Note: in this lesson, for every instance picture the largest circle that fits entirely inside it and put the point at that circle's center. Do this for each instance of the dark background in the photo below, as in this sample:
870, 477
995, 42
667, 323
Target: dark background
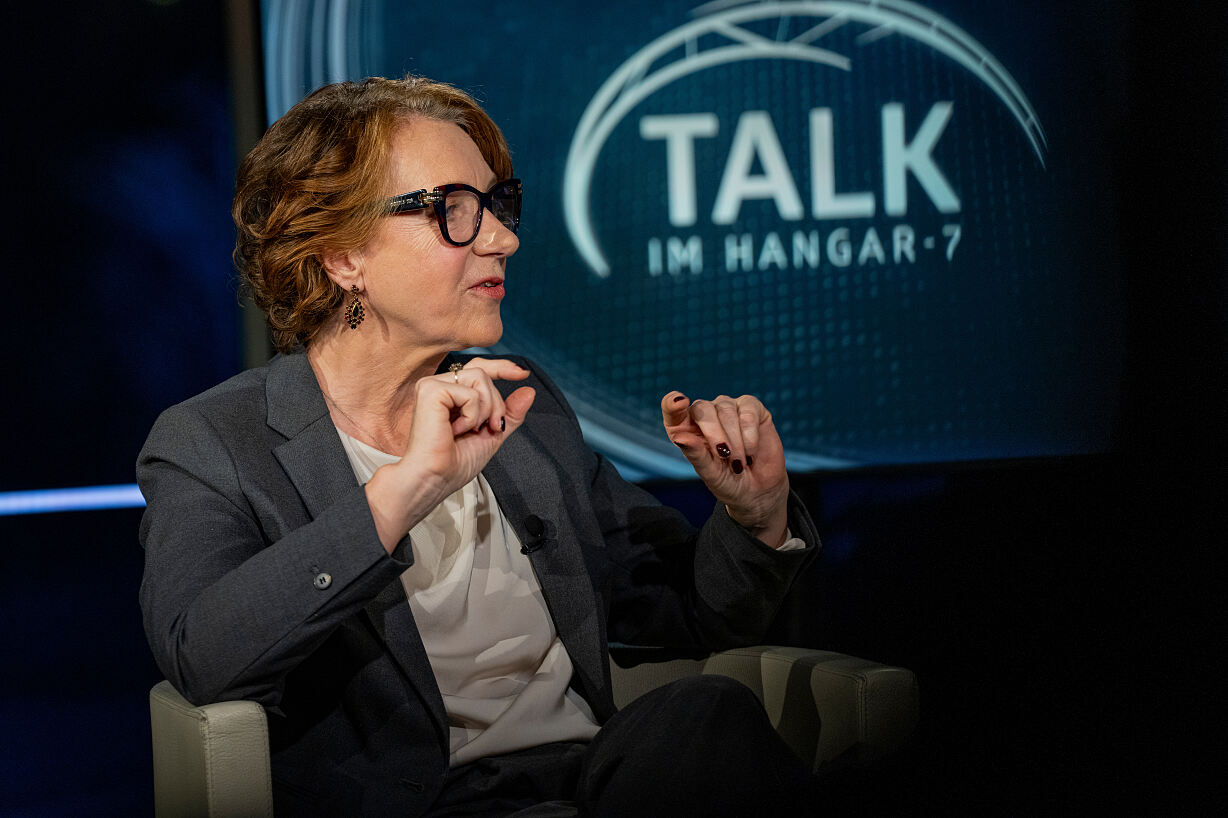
1059, 613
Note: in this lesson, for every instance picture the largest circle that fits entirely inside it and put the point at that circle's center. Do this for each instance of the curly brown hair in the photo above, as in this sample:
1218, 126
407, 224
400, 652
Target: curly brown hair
315, 183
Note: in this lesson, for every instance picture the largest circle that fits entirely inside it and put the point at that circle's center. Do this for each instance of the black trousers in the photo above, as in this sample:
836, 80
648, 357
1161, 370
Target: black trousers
699, 746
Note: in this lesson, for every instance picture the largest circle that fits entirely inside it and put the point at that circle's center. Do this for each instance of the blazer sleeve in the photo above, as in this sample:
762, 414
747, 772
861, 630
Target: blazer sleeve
230, 608
672, 586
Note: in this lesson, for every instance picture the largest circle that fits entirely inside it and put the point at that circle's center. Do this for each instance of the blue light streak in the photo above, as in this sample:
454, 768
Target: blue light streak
86, 498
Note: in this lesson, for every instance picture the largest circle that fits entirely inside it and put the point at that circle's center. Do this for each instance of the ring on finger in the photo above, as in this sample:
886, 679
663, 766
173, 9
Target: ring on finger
455, 369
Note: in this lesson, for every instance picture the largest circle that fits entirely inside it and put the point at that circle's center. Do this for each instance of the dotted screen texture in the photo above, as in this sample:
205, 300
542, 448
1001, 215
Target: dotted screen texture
940, 331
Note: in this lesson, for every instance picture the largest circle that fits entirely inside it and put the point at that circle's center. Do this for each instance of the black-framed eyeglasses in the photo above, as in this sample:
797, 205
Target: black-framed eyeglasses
458, 208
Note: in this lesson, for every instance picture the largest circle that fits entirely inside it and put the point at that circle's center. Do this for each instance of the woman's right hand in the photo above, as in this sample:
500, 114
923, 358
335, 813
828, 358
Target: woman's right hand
460, 421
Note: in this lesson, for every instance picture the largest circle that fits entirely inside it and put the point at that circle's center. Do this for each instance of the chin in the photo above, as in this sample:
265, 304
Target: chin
486, 336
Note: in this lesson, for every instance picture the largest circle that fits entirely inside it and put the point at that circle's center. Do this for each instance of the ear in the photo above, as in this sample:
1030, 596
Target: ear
344, 267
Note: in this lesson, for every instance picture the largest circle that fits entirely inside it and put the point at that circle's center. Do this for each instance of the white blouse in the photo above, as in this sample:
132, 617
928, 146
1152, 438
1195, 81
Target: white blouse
503, 672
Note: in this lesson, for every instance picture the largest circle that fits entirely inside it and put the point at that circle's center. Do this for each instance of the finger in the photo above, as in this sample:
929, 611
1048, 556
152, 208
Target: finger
498, 368
751, 413
485, 441
466, 408
711, 417
733, 450
446, 402
693, 445
674, 408
516, 407
707, 448
492, 405
490, 402
486, 371
475, 399
461, 401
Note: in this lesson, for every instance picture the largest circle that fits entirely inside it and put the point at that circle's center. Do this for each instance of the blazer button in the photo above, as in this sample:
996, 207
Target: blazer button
322, 581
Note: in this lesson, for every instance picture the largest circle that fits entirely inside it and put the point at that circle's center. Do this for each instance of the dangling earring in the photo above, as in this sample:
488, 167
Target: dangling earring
354, 313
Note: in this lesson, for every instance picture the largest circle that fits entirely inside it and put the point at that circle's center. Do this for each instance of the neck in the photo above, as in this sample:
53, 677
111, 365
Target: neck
368, 384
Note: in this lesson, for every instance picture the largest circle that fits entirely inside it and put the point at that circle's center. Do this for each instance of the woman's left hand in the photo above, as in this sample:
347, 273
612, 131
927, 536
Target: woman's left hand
735, 450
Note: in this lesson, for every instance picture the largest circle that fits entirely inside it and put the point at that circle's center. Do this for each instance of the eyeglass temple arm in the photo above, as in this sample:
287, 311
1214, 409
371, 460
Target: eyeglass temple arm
414, 200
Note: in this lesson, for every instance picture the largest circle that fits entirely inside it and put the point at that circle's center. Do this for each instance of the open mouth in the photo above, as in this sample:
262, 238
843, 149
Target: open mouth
492, 287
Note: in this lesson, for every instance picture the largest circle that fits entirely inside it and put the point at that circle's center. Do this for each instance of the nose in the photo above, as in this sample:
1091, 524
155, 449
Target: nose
494, 237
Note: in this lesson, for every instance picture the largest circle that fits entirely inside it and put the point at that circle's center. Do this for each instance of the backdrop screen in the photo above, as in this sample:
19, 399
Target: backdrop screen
892, 221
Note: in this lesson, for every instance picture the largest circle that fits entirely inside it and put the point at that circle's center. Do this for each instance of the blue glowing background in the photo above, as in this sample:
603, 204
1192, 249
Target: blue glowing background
991, 331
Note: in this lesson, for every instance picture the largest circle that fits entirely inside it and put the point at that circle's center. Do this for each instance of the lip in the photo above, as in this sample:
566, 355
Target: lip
495, 290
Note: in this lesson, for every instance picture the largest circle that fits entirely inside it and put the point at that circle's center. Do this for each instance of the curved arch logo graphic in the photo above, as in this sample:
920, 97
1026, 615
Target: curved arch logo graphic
845, 207
731, 31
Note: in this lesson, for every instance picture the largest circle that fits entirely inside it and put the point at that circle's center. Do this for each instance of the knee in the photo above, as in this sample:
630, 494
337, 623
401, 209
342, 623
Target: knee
718, 701
714, 690
713, 737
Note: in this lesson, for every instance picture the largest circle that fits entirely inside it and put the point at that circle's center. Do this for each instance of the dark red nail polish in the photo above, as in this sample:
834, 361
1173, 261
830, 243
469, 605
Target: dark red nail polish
737, 467
502, 424
680, 397
750, 461
723, 449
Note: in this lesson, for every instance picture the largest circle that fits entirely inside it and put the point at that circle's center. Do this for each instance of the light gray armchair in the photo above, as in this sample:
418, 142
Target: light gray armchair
832, 709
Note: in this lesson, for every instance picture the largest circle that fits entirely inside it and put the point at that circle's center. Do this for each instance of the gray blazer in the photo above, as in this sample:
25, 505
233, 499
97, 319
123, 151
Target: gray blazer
265, 580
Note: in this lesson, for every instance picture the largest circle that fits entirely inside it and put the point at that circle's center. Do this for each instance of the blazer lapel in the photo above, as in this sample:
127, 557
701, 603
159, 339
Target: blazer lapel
525, 479
312, 455
317, 465
393, 621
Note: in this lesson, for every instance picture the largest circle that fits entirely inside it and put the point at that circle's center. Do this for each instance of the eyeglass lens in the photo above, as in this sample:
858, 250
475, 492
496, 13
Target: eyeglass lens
463, 209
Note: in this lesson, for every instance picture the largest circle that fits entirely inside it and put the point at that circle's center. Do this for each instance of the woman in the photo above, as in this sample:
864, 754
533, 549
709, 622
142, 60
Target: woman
408, 556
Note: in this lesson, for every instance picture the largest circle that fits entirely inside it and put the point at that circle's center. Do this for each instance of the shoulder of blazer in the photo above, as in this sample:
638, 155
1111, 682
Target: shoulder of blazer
236, 403
282, 396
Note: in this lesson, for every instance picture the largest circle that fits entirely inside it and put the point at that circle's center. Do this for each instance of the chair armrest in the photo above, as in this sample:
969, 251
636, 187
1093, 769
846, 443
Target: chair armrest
635, 670
211, 760
829, 707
